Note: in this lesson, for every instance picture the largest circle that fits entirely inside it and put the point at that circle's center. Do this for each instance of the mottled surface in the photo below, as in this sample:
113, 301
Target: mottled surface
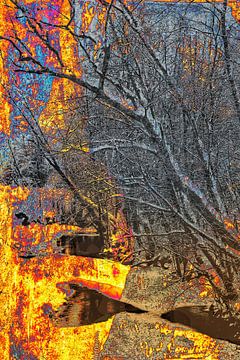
157, 290
146, 336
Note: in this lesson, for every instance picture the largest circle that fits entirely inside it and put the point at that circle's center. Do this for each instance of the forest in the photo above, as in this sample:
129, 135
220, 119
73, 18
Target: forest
121, 122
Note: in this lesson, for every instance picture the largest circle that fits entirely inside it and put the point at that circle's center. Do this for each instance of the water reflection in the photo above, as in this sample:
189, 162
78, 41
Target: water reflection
87, 306
203, 319
89, 245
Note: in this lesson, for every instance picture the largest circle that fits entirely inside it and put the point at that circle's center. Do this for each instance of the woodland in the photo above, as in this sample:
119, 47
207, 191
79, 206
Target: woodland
151, 131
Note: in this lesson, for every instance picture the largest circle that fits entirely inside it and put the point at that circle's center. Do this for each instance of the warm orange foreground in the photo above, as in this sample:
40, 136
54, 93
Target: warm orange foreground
31, 288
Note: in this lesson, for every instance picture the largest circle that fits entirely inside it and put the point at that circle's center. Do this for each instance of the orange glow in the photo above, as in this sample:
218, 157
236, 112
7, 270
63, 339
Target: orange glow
57, 110
31, 286
5, 107
88, 15
206, 287
229, 225
198, 346
122, 241
234, 5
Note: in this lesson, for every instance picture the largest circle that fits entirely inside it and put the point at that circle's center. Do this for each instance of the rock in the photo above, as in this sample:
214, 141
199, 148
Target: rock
147, 336
159, 291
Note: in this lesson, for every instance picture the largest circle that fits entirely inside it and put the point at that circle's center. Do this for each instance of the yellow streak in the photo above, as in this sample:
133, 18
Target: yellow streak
29, 285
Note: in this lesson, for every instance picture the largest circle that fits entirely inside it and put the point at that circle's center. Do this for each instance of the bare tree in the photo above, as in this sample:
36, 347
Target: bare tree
163, 113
